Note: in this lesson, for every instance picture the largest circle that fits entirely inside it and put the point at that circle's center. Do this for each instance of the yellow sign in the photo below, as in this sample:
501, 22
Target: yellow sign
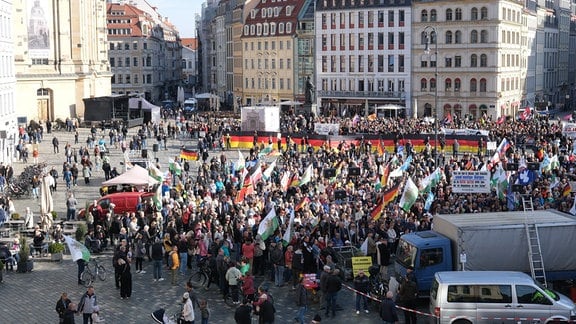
361, 263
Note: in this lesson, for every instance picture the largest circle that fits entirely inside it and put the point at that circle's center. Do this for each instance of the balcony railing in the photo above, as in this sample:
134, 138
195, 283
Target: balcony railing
362, 94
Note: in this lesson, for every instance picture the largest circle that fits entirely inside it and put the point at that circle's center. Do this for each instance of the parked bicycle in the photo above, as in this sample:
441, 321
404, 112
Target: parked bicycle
203, 275
93, 269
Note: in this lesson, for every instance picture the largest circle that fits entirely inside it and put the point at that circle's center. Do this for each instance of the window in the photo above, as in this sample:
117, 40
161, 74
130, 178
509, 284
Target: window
400, 63
483, 60
288, 63
433, 15
111, 46
390, 63
474, 14
148, 61
457, 84
145, 45
501, 294
423, 84
448, 61
484, 13
127, 78
458, 61
112, 62
120, 79
429, 257
432, 84
288, 27
531, 295
482, 85
119, 62
448, 84
474, 37
473, 85
113, 80
458, 14
484, 36
134, 46
458, 37
423, 63
448, 14
448, 37
126, 46
134, 61
424, 16
135, 78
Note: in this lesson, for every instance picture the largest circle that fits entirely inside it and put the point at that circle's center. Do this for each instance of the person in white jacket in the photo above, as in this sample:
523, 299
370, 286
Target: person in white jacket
187, 309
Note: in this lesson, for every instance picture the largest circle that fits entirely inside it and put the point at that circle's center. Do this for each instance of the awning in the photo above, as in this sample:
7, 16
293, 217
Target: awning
137, 176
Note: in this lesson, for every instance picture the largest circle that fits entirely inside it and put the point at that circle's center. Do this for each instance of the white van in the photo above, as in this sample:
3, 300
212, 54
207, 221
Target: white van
470, 297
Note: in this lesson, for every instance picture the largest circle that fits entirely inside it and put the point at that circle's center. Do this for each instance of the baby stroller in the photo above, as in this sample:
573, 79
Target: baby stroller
160, 316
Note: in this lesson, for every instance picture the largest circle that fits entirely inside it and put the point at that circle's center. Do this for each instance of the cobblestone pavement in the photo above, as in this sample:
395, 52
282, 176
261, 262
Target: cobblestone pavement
31, 297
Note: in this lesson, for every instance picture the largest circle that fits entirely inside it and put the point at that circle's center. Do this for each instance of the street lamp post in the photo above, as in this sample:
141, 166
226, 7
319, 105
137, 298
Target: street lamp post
431, 35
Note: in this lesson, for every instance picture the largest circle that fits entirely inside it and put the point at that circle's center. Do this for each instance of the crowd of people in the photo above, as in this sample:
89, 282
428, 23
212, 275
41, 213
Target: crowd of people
212, 211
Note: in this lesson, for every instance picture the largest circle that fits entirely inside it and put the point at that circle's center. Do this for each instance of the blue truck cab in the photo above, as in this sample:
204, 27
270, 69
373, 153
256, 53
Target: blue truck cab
426, 252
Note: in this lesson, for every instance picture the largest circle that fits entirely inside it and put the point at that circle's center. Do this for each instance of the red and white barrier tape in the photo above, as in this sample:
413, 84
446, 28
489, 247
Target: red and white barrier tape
378, 300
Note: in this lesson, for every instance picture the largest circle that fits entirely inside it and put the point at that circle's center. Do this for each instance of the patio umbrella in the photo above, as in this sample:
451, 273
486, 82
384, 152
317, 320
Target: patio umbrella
290, 103
46, 203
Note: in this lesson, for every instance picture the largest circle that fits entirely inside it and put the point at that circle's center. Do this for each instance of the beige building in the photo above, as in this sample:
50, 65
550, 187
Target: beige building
481, 59
145, 53
268, 48
61, 56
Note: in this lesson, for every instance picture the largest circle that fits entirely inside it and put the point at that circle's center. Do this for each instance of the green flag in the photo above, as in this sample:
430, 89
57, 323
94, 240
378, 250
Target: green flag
268, 225
409, 195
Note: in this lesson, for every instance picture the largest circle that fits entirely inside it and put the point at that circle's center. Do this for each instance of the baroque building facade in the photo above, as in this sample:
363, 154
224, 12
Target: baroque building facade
60, 55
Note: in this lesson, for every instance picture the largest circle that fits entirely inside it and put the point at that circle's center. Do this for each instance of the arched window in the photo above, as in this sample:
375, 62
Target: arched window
433, 15
423, 38
482, 85
448, 37
448, 84
473, 85
484, 36
424, 16
423, 84
473, 60
432, 84
484, 13
474, 14
483, 60
448, 14
458, 14
457, 84
474, 37
458, 37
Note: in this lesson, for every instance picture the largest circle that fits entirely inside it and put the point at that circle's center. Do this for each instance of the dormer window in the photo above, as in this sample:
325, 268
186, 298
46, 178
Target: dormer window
264, 13
272, 28
276, 11
281, 28
246, 30
289, 10
253, 13
269, 12
288, 27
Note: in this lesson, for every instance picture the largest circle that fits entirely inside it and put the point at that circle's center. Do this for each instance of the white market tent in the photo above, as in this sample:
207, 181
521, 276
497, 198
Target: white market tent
137, 176
141, 103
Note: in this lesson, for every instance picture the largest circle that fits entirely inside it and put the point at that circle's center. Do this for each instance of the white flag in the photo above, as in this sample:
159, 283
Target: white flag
268, 225
77, 250
409, 196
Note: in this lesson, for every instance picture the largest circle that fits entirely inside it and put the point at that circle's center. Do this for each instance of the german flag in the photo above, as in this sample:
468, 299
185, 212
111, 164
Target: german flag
391, 194
567, 190
377, 211
303, 203
190, 155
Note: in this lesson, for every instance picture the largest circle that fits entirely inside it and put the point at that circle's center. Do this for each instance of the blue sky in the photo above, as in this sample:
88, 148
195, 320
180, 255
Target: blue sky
181, 13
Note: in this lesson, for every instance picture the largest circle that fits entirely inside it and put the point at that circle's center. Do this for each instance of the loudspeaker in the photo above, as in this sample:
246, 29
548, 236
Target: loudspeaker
155, 147
533, 166
340, 194
353, 171
144, 153
512, 166
329, 173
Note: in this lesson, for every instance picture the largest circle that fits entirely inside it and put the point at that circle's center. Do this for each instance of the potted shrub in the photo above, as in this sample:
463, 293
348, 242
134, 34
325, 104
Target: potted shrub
25, 264
54, 215
81, 231
56, 249
15, 216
